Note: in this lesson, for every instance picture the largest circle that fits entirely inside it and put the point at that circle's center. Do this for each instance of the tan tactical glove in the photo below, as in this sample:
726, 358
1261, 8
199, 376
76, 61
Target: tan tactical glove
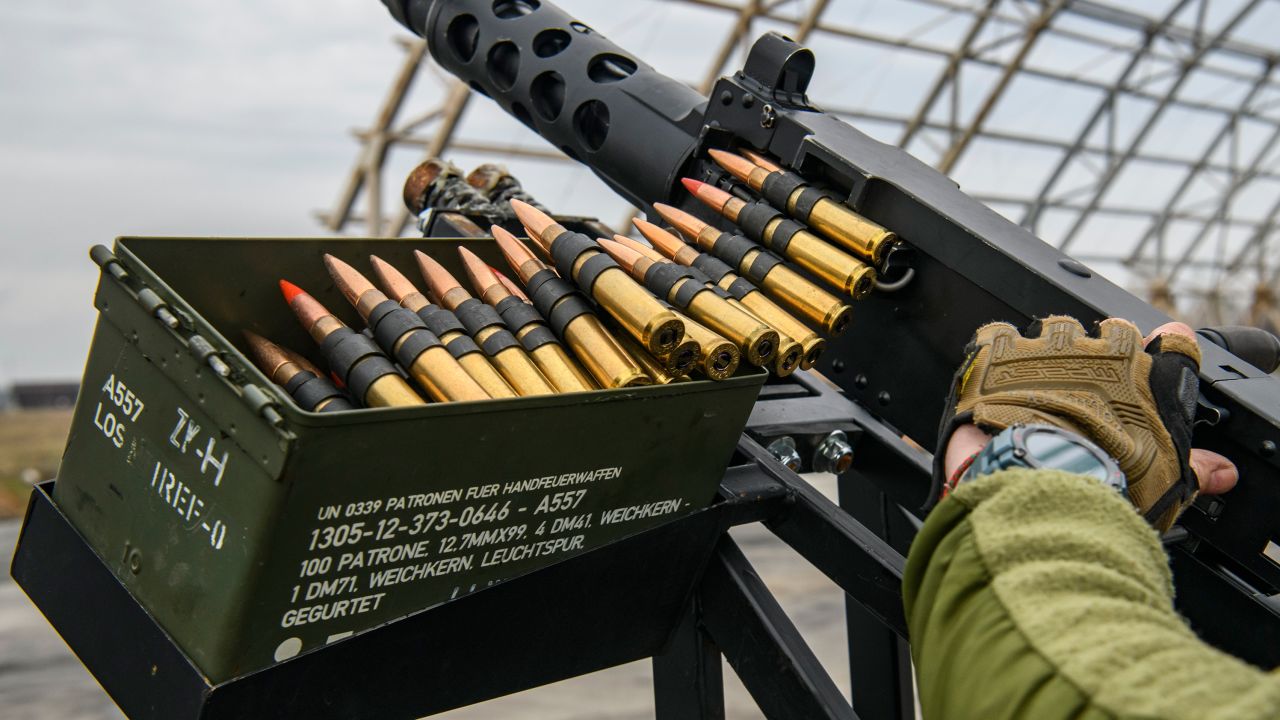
1137, 405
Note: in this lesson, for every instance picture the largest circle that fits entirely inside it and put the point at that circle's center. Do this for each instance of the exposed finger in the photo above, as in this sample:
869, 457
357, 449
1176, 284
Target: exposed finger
1169, 328
1174, 337
1216, 473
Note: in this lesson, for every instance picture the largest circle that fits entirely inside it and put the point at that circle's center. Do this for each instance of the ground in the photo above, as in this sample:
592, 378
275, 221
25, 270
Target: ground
40, 679
31, 443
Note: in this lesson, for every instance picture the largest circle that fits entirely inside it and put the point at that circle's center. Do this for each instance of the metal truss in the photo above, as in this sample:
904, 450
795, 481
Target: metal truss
1163, 171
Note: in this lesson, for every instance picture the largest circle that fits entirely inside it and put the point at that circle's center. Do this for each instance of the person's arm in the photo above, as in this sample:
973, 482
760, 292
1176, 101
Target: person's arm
1039, 594
1043, 594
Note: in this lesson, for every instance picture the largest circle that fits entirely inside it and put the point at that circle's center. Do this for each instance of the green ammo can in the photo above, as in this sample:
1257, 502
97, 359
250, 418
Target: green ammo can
252, 530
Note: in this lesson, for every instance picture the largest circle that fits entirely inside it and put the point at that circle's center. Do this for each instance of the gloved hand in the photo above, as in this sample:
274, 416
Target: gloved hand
1136, 404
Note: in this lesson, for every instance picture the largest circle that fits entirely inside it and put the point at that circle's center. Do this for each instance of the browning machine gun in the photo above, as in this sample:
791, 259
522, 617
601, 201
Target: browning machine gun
959, 265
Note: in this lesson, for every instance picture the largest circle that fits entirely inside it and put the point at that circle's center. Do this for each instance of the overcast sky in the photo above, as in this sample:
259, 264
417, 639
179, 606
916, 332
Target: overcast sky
233, 117
205, 117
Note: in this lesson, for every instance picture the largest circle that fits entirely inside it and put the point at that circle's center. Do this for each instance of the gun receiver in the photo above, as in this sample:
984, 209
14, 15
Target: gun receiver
641, 131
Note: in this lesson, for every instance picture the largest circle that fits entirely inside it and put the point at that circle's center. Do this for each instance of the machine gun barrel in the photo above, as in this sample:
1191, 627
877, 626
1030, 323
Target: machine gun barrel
639, 131
600, 105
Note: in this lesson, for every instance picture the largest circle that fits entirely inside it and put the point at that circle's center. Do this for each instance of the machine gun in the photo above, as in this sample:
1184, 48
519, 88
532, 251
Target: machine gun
680, 592
641, 131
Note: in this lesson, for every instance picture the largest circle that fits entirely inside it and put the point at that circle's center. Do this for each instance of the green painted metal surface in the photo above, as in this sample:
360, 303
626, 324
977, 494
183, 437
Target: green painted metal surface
250, 542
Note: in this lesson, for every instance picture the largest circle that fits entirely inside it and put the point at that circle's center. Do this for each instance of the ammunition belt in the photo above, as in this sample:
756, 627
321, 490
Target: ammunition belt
714, 267
557, 300
756, 216
440, 321
519, 314
565, 250
355, 359
390, 322
733, 248
309, 390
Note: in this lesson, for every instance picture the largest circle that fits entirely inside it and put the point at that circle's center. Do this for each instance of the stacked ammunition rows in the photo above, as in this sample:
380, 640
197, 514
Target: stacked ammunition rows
602, 313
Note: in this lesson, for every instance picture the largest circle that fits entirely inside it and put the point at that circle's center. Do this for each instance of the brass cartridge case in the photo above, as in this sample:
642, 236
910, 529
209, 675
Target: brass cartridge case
635, 308
758, 341
684, 357
387, 390
434, 368
836, 267
476, 364
512, 361
442, 376
781, 282
787, 359
529, 328
603, 354
807, 250
811, 343
598, 350
793, 290
846, 228
484, 373
517, 367
559, 368
391, 391
719, 358
652, 366
828, 217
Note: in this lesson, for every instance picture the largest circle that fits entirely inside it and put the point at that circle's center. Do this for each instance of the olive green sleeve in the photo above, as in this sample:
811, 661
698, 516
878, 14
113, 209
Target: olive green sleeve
1041, 594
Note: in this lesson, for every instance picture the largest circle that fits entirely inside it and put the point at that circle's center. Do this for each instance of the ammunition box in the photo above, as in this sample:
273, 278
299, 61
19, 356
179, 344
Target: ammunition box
252, 530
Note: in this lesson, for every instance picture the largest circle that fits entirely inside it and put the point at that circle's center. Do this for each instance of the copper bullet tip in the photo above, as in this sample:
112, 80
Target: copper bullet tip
713, 196
688, 225
439, 281
512, 249
760, 160
268, 355
534, 220
737, 165
645, 250
665, 242
392, 280
511, 286
625, 256
350, 282
301, 362
517, 253
478, 272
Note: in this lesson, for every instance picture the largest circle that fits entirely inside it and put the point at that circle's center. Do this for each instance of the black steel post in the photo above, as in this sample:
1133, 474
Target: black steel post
688, 677
763, 646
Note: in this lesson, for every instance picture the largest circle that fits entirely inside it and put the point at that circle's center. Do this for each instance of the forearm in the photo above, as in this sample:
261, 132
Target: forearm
1042, 594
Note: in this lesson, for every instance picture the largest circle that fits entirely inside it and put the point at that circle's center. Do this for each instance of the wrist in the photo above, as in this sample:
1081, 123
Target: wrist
1036, 446
965, 442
